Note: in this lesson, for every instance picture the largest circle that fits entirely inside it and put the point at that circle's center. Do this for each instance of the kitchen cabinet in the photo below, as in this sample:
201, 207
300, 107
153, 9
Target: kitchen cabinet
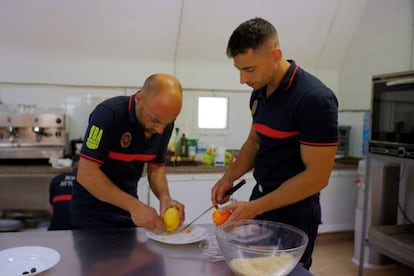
338, 199
393, 240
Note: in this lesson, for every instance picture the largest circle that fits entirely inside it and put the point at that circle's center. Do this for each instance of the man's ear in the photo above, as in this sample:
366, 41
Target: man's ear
276, 54
138, 97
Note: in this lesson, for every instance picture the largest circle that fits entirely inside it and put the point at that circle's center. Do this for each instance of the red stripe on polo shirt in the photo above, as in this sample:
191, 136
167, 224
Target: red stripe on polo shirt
265, 130
91, 158
292, 77
61, 198
319, 144
130, 102
131, 157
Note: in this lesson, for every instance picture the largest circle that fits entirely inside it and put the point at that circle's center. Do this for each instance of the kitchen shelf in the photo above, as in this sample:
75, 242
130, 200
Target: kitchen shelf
395, 241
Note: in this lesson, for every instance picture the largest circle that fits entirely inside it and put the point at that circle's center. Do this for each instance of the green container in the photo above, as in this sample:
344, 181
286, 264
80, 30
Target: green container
192, 147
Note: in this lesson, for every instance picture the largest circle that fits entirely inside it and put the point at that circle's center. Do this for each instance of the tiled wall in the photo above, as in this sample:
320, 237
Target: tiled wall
77, 102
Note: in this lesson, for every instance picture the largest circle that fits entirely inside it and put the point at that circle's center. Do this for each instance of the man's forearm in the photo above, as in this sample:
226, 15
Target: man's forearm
158, 181
101, 187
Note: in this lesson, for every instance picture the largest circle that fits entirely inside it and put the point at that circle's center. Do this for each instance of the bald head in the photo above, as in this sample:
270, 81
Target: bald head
159, 102
164, 90
159, 83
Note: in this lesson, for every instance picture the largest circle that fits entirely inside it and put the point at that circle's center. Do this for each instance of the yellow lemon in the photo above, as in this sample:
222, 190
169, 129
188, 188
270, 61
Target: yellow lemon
171, 219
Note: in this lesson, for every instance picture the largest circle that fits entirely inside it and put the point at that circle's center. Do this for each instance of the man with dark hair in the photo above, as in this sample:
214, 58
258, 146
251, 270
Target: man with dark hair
293, 138
123, 134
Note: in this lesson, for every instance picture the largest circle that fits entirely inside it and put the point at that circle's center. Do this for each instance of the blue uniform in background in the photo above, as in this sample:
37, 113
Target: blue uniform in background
60, 195
302, 110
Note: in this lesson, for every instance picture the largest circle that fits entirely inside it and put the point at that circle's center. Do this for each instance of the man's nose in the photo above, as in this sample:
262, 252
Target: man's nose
159, 129
243, 78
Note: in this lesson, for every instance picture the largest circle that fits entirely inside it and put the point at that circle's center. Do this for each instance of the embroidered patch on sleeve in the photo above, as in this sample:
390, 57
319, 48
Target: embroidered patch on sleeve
126, 139
94, 138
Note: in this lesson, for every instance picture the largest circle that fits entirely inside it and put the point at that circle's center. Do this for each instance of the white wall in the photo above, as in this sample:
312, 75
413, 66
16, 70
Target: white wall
382, 43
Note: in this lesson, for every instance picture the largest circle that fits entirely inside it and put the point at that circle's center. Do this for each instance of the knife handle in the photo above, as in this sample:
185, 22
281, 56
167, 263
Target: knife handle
235, 188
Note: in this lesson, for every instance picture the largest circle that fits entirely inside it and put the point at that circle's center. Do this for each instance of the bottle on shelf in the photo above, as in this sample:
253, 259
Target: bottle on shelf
220, 156
192, 148
183, 146
172, 142
177, 143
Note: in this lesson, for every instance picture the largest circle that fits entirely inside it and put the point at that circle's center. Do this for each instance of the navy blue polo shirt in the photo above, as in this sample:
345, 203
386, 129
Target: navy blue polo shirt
302, 110
60, 195
116, 140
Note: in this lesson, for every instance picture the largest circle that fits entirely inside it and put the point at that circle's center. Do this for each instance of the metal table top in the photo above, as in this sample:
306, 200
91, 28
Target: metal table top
121, 252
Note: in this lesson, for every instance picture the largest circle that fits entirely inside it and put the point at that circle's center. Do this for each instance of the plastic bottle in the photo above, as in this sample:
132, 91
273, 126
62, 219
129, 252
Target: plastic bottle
172, 141
365, 133
192, 148
219, 160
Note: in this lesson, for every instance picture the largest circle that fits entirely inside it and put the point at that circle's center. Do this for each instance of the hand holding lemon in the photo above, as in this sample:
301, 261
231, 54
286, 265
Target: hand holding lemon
171, 219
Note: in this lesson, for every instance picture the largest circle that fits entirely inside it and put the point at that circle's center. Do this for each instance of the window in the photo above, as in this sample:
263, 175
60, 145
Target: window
212, 112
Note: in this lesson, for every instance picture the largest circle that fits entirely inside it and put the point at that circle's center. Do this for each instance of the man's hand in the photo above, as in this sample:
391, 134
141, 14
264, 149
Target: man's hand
167, 203
219, 190
145, 216
241, 210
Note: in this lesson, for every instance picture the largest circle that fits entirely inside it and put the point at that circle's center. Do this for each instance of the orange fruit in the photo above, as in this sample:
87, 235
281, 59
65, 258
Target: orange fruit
220, 218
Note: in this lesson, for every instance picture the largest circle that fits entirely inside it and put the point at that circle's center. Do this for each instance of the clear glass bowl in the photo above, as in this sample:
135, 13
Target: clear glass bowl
210, 248
259, 247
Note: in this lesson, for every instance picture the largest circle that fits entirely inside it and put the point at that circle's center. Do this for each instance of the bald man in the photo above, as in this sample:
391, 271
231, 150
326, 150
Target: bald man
123, 134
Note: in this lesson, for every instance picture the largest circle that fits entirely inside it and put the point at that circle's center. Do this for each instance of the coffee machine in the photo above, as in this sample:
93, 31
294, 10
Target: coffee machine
32, 135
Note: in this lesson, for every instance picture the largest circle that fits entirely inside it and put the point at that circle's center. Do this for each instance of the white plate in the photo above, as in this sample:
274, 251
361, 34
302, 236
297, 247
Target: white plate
17, 260
191, 235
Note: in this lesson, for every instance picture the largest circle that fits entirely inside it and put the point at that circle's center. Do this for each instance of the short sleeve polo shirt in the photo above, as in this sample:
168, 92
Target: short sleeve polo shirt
115, 139
302, 110
60, 195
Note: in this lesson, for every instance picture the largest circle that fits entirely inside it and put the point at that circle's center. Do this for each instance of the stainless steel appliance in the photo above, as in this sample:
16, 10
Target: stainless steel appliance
392, 115
32, 136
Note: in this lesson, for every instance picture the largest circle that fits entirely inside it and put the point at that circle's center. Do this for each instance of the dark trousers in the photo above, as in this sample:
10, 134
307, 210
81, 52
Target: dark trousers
305, 215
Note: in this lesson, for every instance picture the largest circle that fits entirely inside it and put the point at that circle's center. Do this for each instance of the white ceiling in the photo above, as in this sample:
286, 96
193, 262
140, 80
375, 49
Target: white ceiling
315, 33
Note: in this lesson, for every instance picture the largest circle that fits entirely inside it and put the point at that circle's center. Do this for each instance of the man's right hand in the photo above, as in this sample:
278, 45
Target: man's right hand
147, 217
218, 192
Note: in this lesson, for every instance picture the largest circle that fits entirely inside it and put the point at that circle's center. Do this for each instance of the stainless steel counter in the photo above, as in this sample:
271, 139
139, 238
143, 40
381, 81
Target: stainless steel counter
28, 169
121, 252
47, 169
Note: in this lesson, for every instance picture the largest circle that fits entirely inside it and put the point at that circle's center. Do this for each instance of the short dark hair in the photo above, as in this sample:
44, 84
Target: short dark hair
250, 34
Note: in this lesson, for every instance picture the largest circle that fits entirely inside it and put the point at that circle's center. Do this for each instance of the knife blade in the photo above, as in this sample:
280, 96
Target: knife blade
228, 193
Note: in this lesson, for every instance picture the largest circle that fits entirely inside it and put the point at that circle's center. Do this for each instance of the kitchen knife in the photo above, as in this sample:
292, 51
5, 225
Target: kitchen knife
228, 193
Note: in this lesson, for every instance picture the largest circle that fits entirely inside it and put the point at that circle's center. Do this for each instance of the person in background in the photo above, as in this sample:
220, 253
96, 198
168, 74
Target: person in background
293, 138
60, 195
123, 134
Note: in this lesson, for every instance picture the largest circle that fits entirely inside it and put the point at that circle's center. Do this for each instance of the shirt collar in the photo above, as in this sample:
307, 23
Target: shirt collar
288, 78
285, 83
131, 108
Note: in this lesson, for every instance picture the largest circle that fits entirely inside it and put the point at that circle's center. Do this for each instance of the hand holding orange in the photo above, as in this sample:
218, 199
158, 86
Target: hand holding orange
220, 217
